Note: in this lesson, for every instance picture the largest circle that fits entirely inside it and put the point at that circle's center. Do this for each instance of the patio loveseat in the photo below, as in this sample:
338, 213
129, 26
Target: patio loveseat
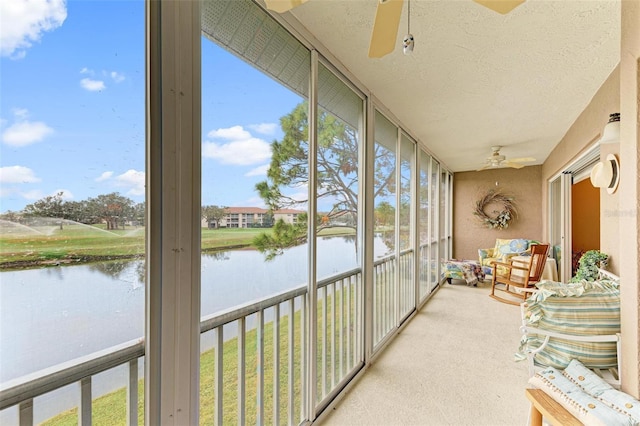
503, 250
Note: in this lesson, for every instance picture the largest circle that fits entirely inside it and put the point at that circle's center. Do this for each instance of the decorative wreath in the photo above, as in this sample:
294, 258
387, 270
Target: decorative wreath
503, 217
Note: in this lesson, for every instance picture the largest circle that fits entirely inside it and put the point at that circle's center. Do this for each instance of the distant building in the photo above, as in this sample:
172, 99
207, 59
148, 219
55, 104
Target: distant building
253, 217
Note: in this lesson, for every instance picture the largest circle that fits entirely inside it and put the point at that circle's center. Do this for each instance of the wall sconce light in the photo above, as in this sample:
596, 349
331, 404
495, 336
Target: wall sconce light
611, 133
606, 174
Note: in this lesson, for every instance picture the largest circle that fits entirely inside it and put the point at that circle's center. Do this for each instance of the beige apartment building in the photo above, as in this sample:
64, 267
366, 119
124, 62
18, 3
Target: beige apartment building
250, 217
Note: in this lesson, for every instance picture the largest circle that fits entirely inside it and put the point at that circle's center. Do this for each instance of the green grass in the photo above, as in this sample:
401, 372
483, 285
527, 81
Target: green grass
110, 409
76, 244
81, 244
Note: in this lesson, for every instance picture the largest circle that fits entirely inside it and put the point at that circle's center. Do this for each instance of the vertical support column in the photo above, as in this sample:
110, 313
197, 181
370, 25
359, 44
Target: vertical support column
629, 195
219, 376
84, 414
276, 364
242, 373
415, 224
26, 413
368, 159
310, 379
132, 393
172, 335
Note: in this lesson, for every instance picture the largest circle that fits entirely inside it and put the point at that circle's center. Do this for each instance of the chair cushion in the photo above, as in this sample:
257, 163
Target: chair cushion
583, 308
597, 387
581, 405
512, 246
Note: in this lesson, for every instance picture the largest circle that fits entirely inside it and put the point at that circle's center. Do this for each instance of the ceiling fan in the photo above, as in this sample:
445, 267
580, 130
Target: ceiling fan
387, 20
497, 160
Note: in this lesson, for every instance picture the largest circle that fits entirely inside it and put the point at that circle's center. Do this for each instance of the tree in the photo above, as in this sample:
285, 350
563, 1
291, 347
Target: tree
11, 216
385, 214
283, 235
213, 214
139, 213
336, 170
113, 209
49, 206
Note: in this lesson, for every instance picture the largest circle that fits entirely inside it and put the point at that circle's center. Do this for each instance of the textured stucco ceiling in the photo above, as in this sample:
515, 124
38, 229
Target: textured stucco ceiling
477, 78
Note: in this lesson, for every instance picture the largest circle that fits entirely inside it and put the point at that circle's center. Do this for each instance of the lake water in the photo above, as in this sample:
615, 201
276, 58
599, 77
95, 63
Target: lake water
56, 314
51, 315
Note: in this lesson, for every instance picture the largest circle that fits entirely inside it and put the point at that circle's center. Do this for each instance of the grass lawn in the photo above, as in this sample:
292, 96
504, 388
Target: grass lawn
77, 244
110, 409
82, 243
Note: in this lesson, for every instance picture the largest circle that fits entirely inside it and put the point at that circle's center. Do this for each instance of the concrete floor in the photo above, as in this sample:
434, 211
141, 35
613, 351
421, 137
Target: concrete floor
452, 365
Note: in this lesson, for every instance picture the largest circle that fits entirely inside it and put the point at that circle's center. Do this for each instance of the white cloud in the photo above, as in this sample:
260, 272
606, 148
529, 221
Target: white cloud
92, 85
23, 22
116, 76
132, 179
86, 70
231, 133
258, 171
265, 128
23, 133
66, 194
104, 176
17, 174
35, 194
242, 150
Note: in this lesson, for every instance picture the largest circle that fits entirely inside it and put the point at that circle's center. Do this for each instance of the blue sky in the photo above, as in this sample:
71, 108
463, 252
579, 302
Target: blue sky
72, 107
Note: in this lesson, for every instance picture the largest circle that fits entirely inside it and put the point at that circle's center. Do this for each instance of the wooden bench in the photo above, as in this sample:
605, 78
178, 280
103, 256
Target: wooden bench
542, 405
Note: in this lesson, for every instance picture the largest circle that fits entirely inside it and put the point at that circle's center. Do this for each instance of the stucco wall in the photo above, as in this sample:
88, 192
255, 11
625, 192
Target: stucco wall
629, 196
523, 184
584, 132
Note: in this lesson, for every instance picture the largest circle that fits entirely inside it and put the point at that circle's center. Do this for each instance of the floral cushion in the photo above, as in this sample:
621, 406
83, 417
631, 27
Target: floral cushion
501, 252
504, 248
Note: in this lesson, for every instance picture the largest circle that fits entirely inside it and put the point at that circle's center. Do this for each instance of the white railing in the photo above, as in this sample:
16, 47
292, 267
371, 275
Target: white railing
24, 390
257, 375
272, 368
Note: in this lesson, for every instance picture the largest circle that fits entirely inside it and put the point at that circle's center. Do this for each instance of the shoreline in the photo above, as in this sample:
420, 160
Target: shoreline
70, 260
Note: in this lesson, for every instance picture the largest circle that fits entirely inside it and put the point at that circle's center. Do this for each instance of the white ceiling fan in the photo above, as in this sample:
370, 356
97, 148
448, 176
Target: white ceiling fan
497, 160
387, 20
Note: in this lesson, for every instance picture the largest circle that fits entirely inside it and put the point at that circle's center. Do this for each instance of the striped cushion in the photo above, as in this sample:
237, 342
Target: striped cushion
582, 308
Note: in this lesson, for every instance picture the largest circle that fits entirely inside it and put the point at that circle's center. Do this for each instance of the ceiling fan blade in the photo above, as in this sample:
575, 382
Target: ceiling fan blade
483, 168
385, 28
500, 6
522, 160
282, 6
512, 165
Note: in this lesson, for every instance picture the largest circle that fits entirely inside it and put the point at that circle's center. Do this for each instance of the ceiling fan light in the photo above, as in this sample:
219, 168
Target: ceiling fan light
611, 133
407, 44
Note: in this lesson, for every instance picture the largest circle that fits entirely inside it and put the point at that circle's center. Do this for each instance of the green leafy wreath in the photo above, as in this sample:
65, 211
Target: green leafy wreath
503, 217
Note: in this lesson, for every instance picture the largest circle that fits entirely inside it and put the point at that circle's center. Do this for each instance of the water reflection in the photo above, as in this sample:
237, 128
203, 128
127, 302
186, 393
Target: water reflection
127, 271
51, 315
